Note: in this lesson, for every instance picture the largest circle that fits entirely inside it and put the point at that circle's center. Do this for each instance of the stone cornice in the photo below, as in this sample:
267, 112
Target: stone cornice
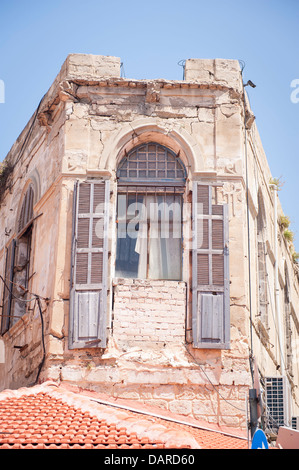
67, 90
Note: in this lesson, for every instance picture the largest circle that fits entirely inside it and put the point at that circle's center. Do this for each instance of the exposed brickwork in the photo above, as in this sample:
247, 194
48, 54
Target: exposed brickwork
149, 312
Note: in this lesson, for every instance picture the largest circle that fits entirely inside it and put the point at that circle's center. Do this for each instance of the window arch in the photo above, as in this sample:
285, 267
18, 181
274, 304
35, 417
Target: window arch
26, 213
151, 185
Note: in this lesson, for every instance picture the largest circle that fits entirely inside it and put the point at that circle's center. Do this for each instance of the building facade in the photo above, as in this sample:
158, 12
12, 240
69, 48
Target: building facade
144, 251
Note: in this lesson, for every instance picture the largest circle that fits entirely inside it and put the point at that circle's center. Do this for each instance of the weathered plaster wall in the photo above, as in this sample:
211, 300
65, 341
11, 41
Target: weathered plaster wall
147, 357
86, 122
36, 159
266, 342
23, 342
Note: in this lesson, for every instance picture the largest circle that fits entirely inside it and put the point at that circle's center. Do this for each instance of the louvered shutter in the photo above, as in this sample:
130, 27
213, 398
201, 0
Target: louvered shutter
7, 289
88, 295
210, 271
263, 284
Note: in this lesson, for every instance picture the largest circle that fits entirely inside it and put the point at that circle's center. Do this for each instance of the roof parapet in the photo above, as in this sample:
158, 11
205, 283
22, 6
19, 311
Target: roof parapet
89, 66
225, 72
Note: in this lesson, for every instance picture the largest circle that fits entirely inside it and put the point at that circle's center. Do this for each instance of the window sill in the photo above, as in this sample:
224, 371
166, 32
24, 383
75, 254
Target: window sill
146, 282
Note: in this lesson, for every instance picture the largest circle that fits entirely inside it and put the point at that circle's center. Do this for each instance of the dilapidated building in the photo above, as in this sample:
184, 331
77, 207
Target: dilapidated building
142, 250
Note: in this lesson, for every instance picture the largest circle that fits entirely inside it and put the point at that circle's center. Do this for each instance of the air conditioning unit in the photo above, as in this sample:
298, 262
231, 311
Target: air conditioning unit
295, 422
278, 400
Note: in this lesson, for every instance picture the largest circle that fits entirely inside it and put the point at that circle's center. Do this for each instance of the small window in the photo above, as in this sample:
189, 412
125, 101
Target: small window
151, 185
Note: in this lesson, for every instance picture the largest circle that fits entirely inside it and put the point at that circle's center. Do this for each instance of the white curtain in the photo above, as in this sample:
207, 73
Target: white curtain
141, 242
159, 238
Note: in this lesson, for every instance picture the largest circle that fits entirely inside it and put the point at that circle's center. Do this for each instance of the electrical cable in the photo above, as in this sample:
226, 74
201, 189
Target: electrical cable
43, 339
37, 299
242, 64
14, 296
248, 220
217, 391
29, 132
46, 299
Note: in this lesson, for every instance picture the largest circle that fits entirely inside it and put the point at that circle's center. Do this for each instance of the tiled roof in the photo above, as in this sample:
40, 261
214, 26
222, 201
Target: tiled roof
51, 416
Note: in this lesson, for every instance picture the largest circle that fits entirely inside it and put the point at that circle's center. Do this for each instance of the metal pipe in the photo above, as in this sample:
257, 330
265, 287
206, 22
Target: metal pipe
276, 283
248, 225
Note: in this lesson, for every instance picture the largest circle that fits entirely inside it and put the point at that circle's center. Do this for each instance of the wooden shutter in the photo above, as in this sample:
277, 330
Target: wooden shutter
88, 295
263, 284
7, 289
210, 271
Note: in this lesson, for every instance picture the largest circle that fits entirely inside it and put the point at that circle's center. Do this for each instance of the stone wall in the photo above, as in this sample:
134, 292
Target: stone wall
148, 359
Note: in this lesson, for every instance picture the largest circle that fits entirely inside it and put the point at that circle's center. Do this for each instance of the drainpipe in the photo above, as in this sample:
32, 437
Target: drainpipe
248, 223
277, 296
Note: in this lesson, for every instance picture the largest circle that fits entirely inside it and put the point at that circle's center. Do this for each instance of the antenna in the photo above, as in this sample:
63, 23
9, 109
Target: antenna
122, 70
182, 63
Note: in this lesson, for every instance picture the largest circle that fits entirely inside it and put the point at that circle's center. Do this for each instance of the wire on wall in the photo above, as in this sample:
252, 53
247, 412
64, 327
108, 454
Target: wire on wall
37, 298
43, 339
29, 132
209, 380
248, 218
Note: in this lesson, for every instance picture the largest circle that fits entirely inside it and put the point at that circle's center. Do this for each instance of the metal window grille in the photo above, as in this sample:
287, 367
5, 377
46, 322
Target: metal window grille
151, 162
277, 401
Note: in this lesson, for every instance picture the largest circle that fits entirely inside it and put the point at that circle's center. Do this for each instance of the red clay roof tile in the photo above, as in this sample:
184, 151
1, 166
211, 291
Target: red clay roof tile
50, 416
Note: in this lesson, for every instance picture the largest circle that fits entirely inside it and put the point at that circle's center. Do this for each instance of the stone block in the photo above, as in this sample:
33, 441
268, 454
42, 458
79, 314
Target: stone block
72, 374
165, 392
56, 346
214, 71
205, 407
182, 407
89, 66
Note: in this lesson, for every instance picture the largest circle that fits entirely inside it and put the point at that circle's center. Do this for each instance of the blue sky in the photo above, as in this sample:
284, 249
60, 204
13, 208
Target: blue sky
151, 38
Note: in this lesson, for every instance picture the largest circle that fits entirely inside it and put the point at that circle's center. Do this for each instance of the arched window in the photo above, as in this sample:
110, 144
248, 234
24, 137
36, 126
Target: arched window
26, 214
17, 267
151, 162
151, 184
